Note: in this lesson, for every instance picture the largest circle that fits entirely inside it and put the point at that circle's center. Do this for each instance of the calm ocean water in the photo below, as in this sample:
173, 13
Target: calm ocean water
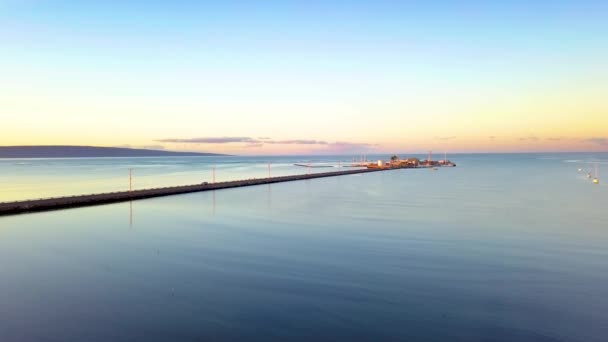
500, 248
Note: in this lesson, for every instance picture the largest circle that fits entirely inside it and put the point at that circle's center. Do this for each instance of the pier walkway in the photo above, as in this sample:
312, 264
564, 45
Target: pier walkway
19, 207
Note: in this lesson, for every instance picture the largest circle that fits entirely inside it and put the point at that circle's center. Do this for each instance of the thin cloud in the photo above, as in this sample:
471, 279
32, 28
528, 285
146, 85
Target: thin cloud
530, 138
153, 147
597, 141
249, 142
445, 138
210, 140
344, 143
254, 145
145, 147
297, 142
555, 139
492, 137
343, 147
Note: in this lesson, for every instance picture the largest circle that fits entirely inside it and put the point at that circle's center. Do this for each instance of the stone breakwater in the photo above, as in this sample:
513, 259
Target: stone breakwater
12, 208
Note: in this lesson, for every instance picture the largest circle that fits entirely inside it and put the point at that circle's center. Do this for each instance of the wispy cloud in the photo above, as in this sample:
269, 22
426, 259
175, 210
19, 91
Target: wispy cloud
210, 140
145, 147
349, 147
254, 145
349, 144
249, 142
492, 137
296, 142
555, 139
445, 138
598, 141
529, 138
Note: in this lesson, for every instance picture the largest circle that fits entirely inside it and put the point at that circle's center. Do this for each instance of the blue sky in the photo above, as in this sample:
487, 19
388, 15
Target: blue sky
333, 63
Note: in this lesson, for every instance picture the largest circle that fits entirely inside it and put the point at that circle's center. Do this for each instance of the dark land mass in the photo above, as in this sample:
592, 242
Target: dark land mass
88, 152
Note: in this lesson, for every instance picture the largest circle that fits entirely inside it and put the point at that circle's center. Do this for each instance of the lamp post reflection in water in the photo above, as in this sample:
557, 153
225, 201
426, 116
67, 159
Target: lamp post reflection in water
213, 204
130, 213
269, 197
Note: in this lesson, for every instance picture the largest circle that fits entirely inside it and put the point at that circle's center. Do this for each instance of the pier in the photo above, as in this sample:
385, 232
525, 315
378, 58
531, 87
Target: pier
46, 204
19, 207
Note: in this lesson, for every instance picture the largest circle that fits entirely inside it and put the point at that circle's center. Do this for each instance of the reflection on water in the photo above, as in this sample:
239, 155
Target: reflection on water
500, 248
269, 197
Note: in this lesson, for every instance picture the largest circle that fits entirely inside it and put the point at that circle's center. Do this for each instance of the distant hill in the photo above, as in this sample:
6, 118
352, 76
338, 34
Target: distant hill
87, 152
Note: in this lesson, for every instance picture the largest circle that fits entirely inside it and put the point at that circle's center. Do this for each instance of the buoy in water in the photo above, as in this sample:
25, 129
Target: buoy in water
596, 179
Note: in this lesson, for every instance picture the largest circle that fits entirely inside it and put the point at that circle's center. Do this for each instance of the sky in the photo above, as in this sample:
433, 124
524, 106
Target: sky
306, 77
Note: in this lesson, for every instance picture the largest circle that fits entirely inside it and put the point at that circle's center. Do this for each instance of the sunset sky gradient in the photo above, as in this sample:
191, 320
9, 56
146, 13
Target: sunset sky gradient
265, 77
